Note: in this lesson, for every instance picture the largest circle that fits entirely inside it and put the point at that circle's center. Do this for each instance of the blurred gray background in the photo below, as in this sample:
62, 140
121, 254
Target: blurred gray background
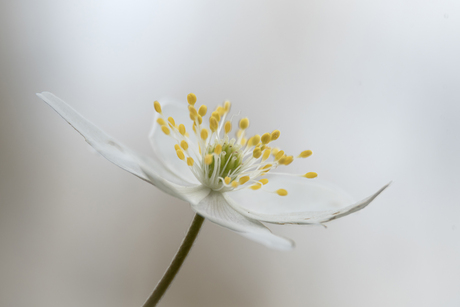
372, 87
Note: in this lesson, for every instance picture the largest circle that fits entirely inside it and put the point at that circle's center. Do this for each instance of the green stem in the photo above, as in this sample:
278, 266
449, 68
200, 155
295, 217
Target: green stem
176, 263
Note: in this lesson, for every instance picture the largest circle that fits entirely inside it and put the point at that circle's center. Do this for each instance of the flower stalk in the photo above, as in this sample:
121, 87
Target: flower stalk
176, 263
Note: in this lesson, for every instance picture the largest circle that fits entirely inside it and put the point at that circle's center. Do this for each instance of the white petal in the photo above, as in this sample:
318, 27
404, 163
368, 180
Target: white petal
163, 145
216, 209
307, 202
143, 167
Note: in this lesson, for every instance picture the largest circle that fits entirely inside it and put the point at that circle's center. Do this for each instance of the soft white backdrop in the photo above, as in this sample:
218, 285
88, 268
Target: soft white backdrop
372, 87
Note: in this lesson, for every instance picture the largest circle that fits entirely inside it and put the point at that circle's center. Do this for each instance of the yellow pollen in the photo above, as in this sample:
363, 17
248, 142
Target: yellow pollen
275, 151
257, 153
254, 140
184, 145
216, 115
157, 106
266, 138
220, 110
244, 179
310, 175
165, 130
235, 184
213, 124
190, 161
193, 111
204, 134
227, 106
305, 154
208, 159
244, 123
182, 129
176, 147
255, 186
192, 117
266, 154
227, 180
263, 181
288, 160
228, 127
161, 121
180, 154
191, 98
203, 110
275, 135
267, 166
218, 149
281, 192
279, 155
200, 119
171, 120
282, 160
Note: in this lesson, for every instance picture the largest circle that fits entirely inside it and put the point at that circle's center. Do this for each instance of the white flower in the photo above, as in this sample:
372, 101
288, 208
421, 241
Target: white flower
226, 180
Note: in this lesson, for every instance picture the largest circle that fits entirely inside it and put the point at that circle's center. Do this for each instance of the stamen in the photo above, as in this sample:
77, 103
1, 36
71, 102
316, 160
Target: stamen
161, 121
228, 127
235, 184
191, 98
204, 134
257, 153
244, 123
157, 106
263, 181
220, 110
281, 192
190, 161
180, 154
193, 111
216, 115
254, 140
203, 110
200, 119
279, 155
213, 124
218, 149
305, 154
184, 145
255, 186
275, 151
171, 120
208, 159
227, 106
165, 130
266, 154
244, 179
182, 129
310, 175
266, 138
227, 180
176, 147
275, 135
288, 160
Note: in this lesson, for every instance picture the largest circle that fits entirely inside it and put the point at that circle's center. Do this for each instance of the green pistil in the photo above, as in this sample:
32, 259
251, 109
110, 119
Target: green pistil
230, 153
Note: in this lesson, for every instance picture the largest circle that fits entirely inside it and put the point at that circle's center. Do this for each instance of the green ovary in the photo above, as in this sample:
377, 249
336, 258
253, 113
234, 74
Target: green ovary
230, 159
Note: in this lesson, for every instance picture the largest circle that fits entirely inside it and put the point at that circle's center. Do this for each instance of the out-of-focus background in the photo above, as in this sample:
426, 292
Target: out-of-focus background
372, 87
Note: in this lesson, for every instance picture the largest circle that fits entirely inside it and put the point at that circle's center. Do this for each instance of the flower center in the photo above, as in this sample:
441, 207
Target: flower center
221, 162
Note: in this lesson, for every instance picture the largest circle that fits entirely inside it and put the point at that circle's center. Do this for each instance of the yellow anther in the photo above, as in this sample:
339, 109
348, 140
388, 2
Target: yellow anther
200, 119
275, 151
253, 141
275, 135
171, 120
184, 145
239, 132
220, 110
190, 161
243, 141
305, 154
266, 154
262, 147
228, 127
213, 124
282, 160
266, 138
176, 147
235, 184
204, 134
216, 115
257, 153
194, 127
161, 121
157, 106
281, 192
165, 130
263, 181
199, 148
218, 149
227, 180
180, 154
244, 123
191, 98
186, 134
227, 106
192, 117
288, 160
310, 175
192, 110
244, 179
279, 155
203, 110
208, 159
182, 129
255, 186
267, 166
